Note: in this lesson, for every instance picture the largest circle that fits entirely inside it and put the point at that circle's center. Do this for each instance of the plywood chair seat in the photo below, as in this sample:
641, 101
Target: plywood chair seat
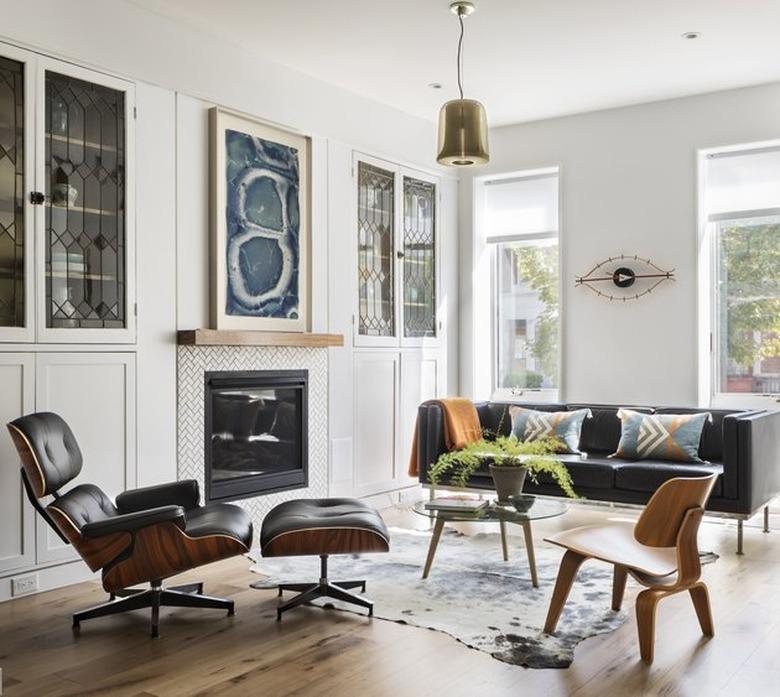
615, 543
660, 552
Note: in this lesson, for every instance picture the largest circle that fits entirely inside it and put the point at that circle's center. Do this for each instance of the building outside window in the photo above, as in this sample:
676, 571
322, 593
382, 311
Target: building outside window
742, 200
521, 225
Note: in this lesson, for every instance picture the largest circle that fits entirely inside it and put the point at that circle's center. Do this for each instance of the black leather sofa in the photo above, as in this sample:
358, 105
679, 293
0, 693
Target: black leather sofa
743, 447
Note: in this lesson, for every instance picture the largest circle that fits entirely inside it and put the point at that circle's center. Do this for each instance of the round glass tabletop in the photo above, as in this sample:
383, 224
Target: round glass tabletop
528, 508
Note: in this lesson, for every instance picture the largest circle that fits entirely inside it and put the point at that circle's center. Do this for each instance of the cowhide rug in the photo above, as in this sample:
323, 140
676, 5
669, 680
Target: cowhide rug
470, 594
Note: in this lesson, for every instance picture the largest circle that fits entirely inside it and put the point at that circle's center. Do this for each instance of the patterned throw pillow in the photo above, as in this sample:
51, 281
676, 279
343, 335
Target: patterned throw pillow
660, 436
566, 426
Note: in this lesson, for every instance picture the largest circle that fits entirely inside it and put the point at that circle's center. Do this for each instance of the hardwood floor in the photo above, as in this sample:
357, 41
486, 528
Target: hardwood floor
317, 653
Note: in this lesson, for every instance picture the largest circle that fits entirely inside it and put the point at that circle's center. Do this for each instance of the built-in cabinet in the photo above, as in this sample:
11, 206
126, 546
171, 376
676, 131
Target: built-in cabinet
67, 279
398, 355
66, 203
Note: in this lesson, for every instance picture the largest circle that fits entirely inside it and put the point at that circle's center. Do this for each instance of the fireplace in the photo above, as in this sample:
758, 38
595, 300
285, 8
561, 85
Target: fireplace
256, 432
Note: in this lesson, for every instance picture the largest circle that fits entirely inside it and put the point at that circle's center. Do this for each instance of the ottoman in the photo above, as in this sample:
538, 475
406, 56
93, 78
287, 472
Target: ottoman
323, 527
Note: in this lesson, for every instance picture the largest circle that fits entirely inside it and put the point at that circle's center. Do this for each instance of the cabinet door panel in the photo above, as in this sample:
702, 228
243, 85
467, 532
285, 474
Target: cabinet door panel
17, 536
85, 227
376, 417
419, 382
95, 394
17, 74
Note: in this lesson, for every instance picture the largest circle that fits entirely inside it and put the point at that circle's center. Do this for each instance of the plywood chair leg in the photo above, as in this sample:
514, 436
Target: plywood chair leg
618, 587
570, 564
701, 602
646, 603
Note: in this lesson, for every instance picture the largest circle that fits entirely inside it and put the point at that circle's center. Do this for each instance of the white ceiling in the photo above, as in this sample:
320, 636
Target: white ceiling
525, 59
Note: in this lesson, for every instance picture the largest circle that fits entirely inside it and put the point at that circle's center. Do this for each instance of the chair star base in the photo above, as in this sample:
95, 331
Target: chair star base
325, 588
154, 597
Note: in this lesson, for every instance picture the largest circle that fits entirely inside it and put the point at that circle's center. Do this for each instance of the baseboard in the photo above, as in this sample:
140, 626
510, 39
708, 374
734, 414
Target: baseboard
49, 578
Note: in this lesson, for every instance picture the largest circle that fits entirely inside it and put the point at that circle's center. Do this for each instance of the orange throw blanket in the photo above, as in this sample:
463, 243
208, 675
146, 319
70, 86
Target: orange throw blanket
461, 427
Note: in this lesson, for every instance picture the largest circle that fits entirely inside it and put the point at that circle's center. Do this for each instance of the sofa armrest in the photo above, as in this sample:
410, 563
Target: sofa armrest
758, 457
430, 437
128, 522
185, 493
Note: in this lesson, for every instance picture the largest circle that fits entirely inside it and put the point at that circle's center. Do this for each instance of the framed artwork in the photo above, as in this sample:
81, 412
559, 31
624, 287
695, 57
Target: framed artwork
260, 225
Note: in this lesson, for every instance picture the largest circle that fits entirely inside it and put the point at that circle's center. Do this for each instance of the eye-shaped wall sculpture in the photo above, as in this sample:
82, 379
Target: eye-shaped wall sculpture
624, 277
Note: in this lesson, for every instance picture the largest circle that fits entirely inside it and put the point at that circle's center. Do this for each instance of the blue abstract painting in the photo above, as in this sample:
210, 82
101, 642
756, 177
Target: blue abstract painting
263, 228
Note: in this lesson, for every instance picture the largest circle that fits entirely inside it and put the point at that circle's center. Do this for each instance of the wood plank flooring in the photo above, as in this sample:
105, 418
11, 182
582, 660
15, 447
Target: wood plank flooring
315, 653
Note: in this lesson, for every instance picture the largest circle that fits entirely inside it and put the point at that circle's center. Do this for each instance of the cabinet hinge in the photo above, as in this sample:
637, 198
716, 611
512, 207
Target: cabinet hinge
135, 309
712, 343
353, 320
135, 112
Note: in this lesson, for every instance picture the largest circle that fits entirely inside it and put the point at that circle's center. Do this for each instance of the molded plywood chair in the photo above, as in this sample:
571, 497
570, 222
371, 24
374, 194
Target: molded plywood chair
660, 552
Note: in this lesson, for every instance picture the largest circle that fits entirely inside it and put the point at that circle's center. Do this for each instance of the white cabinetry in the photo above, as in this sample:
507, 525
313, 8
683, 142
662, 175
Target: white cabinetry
95, 394
17, 526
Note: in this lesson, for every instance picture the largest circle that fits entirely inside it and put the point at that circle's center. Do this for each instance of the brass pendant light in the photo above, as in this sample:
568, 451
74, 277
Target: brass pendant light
463, 138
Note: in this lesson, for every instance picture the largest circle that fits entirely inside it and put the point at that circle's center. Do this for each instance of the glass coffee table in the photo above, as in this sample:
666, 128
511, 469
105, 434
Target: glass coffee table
494, 512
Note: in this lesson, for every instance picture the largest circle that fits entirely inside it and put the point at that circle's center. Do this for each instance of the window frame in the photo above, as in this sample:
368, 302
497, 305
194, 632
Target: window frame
710, 392
493, 243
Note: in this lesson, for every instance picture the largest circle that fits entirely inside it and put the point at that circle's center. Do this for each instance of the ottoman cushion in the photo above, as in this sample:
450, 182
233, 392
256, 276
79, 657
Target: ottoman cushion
323, 526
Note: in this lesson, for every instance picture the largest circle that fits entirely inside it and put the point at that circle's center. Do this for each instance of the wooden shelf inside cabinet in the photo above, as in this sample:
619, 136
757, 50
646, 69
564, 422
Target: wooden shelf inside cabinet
237, 337
80, 209
76, 143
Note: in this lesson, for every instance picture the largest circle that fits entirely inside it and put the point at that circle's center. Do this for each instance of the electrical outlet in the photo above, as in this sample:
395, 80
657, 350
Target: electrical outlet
21, 585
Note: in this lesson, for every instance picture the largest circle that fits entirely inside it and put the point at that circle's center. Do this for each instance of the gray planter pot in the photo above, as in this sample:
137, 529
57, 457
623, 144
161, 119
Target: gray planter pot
508, 480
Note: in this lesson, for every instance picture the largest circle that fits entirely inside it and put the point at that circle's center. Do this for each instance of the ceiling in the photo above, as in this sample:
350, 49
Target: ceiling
524, 59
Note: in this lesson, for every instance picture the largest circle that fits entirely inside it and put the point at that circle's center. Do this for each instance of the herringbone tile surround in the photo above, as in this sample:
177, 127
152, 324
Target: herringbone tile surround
194, 361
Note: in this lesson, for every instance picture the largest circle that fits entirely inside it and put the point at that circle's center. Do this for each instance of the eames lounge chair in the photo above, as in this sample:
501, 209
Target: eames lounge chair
660, 552
148, 535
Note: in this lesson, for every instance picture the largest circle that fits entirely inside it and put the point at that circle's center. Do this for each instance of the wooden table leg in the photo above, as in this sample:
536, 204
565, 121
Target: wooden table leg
437, 528
504, 548
529, 548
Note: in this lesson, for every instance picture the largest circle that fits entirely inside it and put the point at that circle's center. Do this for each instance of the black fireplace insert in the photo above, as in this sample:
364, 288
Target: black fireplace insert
256, 428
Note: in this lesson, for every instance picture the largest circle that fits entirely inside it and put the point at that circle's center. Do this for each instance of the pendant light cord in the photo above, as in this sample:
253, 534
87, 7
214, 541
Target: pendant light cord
460, 55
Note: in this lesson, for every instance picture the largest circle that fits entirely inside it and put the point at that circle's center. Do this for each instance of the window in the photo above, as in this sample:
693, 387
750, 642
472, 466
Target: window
742, 200
521, 224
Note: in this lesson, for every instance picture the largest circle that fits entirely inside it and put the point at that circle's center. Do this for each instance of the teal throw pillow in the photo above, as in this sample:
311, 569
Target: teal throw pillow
673, 437
565, 426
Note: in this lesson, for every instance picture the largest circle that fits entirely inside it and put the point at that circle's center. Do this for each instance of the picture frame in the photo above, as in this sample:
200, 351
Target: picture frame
260, 224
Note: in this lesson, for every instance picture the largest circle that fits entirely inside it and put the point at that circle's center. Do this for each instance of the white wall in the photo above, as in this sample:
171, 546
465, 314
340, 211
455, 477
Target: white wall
628, 185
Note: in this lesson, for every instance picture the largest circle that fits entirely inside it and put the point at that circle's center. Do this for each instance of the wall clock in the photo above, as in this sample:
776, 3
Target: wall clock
624, 277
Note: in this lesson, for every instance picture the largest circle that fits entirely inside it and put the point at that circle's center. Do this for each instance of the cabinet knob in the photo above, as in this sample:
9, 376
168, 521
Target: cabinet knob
37, 198
400, 254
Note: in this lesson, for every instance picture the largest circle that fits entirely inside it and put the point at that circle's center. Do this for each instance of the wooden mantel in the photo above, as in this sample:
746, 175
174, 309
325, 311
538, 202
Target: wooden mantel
237, 337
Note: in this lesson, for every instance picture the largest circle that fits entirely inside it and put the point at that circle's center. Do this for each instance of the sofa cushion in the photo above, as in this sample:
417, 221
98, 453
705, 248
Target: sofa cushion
661, 436
496, 419
601, 433
648, 475
586, 472
565, 426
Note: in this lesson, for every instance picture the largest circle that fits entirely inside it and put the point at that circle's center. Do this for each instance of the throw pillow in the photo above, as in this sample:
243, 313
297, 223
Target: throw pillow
660, 436
566, 426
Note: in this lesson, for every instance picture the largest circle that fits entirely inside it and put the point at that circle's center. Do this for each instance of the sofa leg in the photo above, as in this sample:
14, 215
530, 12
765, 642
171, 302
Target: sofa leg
766, 518
739, 536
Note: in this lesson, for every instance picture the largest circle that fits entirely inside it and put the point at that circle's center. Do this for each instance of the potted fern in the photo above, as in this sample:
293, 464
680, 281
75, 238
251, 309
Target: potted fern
510, 461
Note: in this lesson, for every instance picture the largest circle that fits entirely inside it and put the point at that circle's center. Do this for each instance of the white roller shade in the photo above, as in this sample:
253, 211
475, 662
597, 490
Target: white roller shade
742, 181
521, 207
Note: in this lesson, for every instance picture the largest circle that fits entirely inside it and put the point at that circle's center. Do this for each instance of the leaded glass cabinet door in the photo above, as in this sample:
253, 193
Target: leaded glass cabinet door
419, 260
17, 70
377, 213
86, 224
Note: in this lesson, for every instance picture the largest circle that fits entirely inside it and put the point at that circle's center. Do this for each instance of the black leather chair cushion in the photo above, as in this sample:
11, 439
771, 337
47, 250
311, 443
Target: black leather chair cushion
54, 449
648, 475
84, 504
322, 514
711, 443
220, 519
601, 433
184, 493
128, 522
